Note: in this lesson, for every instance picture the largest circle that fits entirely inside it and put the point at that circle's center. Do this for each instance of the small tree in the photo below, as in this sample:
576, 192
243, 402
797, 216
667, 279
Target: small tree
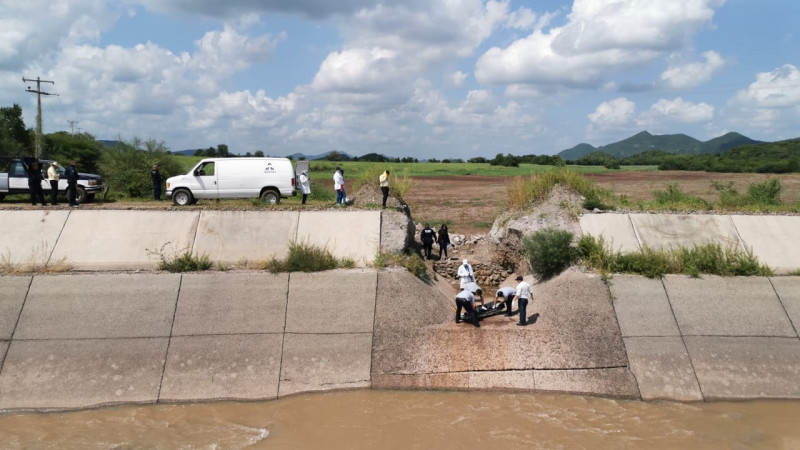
127, 166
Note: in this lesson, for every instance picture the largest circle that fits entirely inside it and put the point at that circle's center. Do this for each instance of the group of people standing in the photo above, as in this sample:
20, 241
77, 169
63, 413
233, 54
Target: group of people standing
429, 237
36, 177
465, 299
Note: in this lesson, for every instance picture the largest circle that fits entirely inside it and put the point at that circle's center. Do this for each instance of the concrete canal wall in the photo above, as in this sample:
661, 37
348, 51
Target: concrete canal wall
80, 340
95, 338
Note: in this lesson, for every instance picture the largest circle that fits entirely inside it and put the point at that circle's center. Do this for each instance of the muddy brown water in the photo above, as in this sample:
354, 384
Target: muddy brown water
372, 419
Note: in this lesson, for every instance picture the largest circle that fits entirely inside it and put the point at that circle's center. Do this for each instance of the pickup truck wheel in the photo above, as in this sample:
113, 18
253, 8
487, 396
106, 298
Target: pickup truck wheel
80, 195
271, 196
182, 197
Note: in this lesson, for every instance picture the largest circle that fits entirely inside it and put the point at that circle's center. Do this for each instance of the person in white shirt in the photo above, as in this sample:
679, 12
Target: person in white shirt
384, 181
465, 273
52, 176
505, 294
523, 293
338, 186
305, 185
466, 300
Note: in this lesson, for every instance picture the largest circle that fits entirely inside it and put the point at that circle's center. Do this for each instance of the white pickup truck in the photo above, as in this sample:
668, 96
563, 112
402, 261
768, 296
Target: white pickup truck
15, 180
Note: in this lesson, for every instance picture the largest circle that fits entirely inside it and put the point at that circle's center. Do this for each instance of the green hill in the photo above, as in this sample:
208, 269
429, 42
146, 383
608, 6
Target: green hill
670, 143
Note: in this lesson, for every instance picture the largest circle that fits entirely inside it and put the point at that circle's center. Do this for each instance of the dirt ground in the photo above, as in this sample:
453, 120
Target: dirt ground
470, 203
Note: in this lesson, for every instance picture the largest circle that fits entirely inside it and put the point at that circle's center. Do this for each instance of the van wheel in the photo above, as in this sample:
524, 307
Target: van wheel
182, 197
80, 195
271, 196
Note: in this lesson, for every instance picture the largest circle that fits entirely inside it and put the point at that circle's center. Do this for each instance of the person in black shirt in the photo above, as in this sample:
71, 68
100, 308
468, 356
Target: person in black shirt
35, 179
156, 182
427, 236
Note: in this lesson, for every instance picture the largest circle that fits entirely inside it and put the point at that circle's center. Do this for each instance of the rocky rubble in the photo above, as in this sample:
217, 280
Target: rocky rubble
487, 275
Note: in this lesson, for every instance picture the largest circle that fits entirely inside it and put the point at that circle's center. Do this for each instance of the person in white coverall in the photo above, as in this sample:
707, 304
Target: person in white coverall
465, 273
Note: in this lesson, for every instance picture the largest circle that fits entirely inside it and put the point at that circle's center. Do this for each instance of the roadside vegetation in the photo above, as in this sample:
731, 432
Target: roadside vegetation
37, 263
305, 257
759, 196
765, 157
410, 260
180, 260
550, 251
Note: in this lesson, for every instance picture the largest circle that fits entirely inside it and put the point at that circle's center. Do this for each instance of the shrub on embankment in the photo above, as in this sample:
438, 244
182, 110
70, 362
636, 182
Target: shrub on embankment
306, 257
550, 251
524, 190
410, 260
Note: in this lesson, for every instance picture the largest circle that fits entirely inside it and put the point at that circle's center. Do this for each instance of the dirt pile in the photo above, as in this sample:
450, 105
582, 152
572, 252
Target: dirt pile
561, 209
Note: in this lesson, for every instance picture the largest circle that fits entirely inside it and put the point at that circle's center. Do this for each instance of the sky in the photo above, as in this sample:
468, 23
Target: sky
421, 78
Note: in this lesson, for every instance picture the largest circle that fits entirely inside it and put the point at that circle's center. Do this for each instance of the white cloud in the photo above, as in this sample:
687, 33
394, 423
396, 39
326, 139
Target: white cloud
455, 79
33, 29
769, 106
777, 89
689, 75
601, 37
233, 8
678, 111
613, 113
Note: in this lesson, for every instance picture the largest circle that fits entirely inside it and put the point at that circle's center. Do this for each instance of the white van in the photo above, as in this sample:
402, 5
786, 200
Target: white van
267, 178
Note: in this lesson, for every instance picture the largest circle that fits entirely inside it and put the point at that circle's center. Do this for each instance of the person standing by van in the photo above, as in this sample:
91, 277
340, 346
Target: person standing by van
156, 176
52, 176
384, 180
305, 185
72, 183
35, 179
338, 185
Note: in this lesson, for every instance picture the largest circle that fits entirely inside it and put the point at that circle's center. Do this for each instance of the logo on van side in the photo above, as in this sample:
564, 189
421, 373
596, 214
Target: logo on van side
269, 168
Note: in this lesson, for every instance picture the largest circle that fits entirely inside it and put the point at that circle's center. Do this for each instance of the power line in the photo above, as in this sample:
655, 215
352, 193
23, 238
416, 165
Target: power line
39, 93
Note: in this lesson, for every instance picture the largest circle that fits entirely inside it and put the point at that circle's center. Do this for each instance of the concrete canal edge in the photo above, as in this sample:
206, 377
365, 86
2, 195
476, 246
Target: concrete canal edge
97, 338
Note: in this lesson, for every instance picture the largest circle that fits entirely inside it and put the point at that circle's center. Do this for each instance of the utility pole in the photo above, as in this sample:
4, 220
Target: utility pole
38, 146
72, 126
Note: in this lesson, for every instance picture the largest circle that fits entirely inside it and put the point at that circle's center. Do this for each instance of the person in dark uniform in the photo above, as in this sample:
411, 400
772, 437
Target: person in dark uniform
71, 174
443, 239
35, 179
427, 236
506, 295
466, 300
156, 182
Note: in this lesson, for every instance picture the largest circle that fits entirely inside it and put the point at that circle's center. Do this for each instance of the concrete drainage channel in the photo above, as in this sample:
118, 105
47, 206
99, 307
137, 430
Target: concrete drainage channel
87, 339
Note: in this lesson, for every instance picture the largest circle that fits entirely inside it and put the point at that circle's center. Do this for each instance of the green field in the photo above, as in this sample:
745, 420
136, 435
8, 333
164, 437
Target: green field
322, 169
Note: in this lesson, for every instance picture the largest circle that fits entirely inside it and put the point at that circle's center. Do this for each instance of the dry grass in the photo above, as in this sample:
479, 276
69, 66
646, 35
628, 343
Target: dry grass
37, 263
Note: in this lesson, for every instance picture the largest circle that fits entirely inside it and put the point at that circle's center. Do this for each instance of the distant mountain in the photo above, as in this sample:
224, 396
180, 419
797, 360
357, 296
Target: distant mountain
671, 143
297, 156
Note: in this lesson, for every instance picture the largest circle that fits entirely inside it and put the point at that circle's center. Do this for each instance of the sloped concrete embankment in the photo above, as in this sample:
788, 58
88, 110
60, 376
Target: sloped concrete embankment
574, 346
72, 341
81, 340
771, 238
131, 240
712, 338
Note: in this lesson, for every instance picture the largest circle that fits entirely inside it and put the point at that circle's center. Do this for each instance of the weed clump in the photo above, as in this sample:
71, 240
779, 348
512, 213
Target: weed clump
710, 258
411, 261
522, 191
305, 257
181, 260
549, 251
